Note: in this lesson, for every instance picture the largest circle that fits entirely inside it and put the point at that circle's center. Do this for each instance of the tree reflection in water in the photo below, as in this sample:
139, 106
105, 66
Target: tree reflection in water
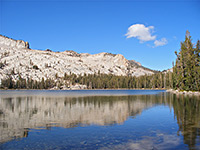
187, 112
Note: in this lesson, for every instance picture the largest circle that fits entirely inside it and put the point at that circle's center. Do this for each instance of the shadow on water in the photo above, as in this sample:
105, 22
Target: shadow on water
20, 114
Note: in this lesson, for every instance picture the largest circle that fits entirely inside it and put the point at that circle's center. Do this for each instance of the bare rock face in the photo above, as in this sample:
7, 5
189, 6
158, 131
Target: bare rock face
135, 62
13, 43
16, 59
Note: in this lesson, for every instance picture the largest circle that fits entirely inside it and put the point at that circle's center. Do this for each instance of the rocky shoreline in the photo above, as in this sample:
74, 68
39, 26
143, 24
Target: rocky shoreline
195, 93
72, 87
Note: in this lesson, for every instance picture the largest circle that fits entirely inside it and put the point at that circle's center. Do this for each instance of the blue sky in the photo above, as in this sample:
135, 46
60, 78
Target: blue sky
146, 31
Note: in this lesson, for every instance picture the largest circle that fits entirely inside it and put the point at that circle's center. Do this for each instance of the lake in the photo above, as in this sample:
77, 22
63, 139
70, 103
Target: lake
98, 119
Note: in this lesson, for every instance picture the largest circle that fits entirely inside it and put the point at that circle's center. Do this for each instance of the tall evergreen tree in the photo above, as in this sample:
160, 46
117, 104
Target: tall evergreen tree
186, 69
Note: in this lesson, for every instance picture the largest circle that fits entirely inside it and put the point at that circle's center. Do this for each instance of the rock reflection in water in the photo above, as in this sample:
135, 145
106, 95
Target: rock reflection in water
19, 114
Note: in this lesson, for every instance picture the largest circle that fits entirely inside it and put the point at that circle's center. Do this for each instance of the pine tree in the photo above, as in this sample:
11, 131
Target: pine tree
197, 67
186, 69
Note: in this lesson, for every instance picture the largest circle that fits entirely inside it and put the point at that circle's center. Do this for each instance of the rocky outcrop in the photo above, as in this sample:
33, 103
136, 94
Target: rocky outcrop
17, 59
8, 42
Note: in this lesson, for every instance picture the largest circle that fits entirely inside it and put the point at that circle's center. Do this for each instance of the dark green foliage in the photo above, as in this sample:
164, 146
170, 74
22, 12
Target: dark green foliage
109, 81
94, 81
1, 65
35, 67
26, 84
7, 83
186, 71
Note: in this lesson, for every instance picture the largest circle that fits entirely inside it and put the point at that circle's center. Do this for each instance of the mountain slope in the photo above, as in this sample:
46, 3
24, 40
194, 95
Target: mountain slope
17, 59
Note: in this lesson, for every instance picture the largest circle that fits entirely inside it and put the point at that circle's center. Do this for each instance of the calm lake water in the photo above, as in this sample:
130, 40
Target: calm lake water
98, 119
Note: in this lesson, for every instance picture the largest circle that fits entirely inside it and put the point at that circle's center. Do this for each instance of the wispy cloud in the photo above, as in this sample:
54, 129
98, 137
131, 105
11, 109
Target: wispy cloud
160, 42
144, 33
141, 32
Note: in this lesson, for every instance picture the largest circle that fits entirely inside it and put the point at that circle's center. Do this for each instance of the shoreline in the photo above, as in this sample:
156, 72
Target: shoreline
195, 93
83, 89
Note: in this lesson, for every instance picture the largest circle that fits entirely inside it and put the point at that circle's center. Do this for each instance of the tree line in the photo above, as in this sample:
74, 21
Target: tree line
93, 81
21, 83
185, 76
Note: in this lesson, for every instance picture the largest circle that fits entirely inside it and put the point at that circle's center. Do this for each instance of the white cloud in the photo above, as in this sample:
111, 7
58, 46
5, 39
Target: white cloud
160, 42
141, 32
144, 34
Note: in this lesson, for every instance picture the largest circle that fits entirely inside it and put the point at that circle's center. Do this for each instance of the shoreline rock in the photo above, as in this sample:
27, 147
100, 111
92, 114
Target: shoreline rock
72, 87
196, 93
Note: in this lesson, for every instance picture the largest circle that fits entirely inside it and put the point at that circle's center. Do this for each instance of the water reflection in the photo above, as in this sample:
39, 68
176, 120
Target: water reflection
187, 113
148, 143
19, 114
